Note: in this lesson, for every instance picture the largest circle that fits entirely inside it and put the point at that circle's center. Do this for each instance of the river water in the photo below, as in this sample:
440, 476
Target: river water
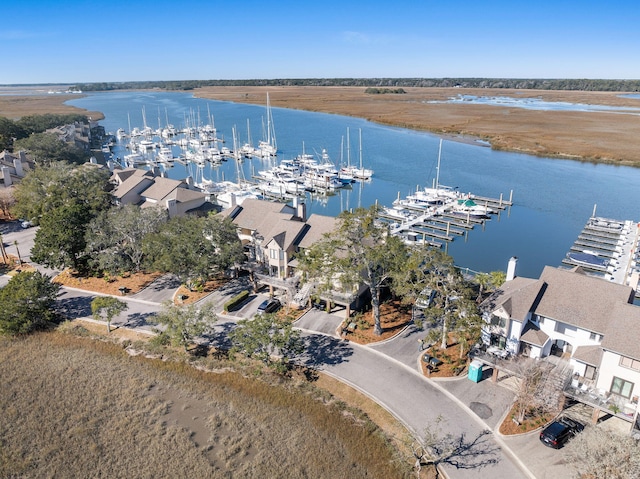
553, 199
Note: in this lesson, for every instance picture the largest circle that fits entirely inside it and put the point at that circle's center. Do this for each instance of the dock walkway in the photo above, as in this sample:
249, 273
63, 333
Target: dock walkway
617, 243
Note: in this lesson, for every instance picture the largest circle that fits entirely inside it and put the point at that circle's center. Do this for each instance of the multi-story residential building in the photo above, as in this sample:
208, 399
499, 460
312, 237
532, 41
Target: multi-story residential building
590, 322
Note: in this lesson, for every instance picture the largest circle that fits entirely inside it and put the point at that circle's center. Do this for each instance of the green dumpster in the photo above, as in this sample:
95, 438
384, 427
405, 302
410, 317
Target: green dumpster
475, 371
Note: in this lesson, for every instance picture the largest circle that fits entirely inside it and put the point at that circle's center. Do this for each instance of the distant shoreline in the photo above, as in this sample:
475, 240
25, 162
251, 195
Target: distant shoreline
603, 137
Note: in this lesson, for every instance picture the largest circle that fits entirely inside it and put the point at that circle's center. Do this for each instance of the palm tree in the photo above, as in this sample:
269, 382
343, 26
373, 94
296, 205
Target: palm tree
483, 280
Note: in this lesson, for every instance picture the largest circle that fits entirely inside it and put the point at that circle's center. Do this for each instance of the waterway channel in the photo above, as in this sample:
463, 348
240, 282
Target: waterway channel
553, 199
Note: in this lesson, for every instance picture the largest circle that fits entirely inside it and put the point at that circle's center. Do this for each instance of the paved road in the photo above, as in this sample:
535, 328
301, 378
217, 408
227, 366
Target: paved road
388, 372
411, 397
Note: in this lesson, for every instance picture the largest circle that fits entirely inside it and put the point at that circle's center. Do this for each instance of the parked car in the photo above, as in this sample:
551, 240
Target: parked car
560, 431
269, 306
26, 224
425, 299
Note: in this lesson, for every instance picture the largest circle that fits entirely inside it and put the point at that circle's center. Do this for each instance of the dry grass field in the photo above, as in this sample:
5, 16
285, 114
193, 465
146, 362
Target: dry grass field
76, 407
14, 107
598, 137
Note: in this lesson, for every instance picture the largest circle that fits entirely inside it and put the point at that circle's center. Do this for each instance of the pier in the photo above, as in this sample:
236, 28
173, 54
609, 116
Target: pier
608, 248
438, 218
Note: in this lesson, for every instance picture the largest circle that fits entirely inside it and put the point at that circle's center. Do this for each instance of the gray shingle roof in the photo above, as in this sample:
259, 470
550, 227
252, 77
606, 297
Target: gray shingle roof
318, 226
533, 335
588, 354
131, 183
284, 232
259, 215
518, 297
161, 188
583, 301
623, 333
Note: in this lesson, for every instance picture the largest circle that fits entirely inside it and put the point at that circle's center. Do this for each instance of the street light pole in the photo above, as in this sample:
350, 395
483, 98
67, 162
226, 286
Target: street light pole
18, 251
5, 257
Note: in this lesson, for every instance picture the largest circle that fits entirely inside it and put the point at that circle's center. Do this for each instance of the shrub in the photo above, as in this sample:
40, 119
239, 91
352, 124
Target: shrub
236, 301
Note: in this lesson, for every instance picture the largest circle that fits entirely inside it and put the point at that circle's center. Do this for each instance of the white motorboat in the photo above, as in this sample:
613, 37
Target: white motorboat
471, 208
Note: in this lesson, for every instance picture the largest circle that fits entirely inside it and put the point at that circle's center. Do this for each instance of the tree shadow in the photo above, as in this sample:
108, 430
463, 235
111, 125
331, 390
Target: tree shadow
74, 308
321, 350
461, 453
165, 282
218, 337
137, 320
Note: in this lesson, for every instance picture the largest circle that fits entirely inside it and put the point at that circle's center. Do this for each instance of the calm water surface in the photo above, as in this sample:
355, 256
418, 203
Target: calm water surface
553, 199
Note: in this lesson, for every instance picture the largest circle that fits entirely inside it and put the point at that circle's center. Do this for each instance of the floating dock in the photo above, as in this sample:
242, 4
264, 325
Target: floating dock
610, 249
441, 224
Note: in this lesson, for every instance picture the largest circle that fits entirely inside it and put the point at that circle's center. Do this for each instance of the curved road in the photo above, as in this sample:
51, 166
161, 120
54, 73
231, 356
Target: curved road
393, 383
416, 402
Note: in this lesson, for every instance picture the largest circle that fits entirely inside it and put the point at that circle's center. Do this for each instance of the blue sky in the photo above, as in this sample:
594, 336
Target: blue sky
90, 41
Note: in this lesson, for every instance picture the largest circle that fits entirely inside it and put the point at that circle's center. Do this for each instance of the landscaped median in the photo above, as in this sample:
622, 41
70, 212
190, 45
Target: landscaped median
236, 301
394, 317
132, 282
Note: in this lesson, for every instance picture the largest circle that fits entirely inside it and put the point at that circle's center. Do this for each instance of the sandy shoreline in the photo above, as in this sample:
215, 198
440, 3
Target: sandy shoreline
602, 137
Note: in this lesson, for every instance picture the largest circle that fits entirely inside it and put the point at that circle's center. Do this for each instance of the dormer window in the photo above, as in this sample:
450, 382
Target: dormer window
630, 363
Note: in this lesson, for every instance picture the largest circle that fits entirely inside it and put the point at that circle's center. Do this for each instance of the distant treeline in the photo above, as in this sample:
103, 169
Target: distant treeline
382, 91
395, 83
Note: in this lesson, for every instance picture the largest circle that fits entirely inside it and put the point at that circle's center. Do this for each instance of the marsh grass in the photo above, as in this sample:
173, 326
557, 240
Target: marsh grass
606, 137
76, 407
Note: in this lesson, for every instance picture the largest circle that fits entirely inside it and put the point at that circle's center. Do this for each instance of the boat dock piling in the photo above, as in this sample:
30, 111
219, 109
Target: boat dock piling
442, 222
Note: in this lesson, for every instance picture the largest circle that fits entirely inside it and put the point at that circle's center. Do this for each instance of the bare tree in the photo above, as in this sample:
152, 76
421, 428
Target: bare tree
6, 201
437, 447
598, 453
539, 390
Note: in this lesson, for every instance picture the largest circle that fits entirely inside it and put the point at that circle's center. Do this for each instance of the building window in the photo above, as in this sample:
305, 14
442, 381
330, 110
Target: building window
273, 253
566, 329
621, 387
594, 337
630, 363
590, 372
498, 321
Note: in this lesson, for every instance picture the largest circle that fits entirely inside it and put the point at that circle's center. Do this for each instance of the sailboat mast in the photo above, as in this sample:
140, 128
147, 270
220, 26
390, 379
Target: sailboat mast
438, 167
360, 134
268, 120
348, 149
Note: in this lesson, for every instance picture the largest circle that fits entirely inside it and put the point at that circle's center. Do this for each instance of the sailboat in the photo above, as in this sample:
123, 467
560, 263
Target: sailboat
247, 150
359, 173
438, 194
268, 146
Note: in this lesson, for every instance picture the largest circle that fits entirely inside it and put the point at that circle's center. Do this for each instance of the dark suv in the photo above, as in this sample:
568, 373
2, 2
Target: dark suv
560, 431
269, 306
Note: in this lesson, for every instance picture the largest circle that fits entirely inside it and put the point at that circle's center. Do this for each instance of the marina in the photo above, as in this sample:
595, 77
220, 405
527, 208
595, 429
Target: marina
433, 216
436, 215
550, 201
609, 249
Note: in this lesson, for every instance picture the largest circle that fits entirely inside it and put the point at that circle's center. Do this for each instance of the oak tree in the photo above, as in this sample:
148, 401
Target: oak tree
107, 307
26, 303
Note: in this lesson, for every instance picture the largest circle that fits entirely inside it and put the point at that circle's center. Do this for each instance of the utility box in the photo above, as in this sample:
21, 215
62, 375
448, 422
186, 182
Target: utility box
475, 371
